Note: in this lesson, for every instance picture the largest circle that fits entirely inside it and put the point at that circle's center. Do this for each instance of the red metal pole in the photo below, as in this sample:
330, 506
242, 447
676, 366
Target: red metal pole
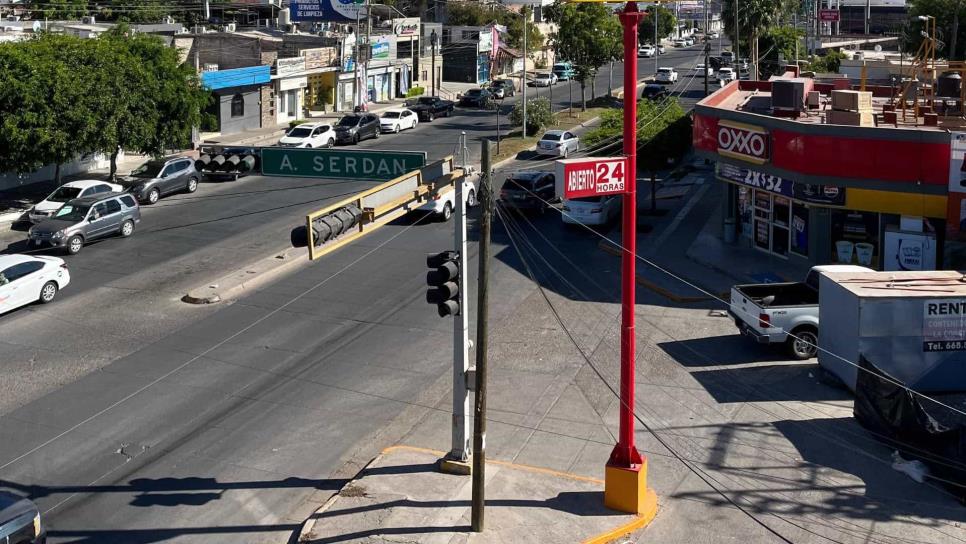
625, 454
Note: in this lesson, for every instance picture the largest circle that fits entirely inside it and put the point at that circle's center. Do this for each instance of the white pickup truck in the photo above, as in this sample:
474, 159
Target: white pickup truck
768, 312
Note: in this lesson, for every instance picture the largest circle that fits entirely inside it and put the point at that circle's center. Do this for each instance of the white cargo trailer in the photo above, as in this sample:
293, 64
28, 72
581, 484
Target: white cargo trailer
910, 324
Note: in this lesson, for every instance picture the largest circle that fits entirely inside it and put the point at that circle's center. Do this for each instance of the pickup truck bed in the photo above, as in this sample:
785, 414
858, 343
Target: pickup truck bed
785, 294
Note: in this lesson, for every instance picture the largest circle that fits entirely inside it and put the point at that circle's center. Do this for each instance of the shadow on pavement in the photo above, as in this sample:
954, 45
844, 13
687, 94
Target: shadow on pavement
727, 350
771, 383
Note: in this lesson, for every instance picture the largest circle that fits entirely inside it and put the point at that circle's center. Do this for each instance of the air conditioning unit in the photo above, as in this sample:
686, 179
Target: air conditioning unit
230, 27
89, 20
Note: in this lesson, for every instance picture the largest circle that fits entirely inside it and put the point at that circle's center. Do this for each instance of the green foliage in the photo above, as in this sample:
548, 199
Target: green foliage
754, 18
539, 115
779, 43
297, 122
652, 118
58, 9
826, 64
588, 35
945, 12
477, 14
665, 24
415, 91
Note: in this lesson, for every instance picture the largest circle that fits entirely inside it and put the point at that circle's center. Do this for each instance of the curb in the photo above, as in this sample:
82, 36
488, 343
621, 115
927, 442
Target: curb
247, 277
11, 218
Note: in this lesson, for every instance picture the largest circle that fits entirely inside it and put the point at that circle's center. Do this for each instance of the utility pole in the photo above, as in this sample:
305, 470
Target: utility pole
656, 17
525, 28
737, 41
482, 315
433, 38
499, 105
355, 60
707, 51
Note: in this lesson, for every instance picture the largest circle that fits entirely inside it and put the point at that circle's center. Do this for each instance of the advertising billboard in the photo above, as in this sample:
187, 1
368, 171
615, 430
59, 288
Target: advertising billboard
327, 10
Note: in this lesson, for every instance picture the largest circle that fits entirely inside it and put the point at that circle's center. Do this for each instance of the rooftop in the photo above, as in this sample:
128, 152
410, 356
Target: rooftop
925, 284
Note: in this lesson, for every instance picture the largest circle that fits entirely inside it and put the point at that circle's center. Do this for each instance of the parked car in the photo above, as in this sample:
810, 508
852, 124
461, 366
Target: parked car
714, 35
563, 71
689, 41
591, 210
666, 75
661, 49
544, 79
20, 521
558, 143
354, 128
726, 74
428, 108
25, 279
157, 178
701, 70
646, 51
476, 98
84, 219
443, 204
528, 190
503, 88
309, 135
680, 42
654, 91
397, 120
69, 191
768, 312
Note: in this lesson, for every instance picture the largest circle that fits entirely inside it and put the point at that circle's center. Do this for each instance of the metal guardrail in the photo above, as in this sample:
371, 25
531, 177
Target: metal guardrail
343, 222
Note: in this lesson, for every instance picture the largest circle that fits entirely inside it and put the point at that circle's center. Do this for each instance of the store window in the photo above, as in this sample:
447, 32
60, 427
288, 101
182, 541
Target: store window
800, 229
762, 220
781, 214
855, 238
238, 105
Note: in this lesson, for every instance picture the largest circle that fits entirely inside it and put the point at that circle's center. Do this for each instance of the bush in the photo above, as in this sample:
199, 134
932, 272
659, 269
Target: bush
295, 123
539, 115
415, 91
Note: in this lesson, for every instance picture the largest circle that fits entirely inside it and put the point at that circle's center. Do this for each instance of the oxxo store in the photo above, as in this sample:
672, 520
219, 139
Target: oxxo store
828, 194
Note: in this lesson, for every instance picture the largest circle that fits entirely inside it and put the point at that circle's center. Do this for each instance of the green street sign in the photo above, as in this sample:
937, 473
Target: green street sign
340, 163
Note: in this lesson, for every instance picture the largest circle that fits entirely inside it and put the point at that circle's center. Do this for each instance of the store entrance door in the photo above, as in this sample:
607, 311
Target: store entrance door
772, 216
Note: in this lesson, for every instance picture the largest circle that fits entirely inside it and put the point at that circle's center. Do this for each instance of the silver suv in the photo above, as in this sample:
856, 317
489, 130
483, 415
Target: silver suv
84, 219
160, 177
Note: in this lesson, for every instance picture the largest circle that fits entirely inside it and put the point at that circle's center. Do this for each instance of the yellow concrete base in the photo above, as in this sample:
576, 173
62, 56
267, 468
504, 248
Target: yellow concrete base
625, 490
459, 468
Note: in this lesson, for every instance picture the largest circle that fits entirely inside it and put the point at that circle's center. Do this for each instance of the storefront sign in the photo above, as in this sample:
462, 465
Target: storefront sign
319, 57
383, 47
741, 141
327, 10
577, 178
380, 51
944, 324
289, 67
340, 163
486, 41
292, 83
828, 15
827, 195
406, 27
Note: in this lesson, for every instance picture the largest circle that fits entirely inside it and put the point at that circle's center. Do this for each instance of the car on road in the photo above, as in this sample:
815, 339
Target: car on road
544, 79
503, 88
428, 108
476, 98
354, 128
20, 521
646, 51
25, 279
82, 220
726, 74
689, 41
701, 70
558, 143
396, 120
666, 75
727, 57
661, 49
309, 135
69, 191
591, 210
563, 70
679, 43
783, 313
714, 35
654, 91
443, 203
529, 190
157, 178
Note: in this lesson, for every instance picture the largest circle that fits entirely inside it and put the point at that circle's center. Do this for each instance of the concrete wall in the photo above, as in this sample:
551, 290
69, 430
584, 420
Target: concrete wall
87, 163
253, 116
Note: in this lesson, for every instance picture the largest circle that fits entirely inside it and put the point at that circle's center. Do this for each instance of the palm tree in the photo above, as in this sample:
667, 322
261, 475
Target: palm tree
753, 18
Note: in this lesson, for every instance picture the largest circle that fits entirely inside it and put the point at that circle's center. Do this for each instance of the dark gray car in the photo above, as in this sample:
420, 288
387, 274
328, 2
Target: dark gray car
84, 219
352, 129
160, 177
20, 521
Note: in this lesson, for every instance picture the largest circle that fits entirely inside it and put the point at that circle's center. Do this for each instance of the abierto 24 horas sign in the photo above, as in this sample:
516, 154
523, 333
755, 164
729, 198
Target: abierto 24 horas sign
592, 176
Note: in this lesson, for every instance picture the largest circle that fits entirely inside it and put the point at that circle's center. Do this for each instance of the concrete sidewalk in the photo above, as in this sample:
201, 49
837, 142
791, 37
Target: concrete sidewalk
401, 496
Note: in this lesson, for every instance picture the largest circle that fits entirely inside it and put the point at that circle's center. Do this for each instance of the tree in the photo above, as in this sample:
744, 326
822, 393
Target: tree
754, 18
827, 64
539, 115
948, 14
514, 33
665, 24
58, 9
588, 35
476, 14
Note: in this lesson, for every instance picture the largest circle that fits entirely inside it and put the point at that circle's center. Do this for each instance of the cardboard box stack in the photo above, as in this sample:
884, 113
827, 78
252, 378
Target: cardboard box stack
850, 108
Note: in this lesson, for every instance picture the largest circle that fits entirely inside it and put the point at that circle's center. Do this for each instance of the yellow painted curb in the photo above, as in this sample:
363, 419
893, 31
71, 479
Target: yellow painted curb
625, 529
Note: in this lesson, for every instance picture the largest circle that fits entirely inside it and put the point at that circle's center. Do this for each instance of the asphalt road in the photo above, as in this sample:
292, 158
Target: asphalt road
131, 417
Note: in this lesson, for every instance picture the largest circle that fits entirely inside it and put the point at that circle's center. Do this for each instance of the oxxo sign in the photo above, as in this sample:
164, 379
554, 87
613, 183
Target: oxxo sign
576, 178
746, 142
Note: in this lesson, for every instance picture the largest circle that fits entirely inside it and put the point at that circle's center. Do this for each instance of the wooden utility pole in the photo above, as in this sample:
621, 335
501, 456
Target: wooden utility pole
482, 314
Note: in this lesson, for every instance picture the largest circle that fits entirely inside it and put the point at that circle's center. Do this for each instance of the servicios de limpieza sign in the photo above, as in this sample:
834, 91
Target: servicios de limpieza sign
339, 163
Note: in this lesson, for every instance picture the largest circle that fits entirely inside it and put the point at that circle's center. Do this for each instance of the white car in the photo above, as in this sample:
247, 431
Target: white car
666, 75
69, 191
25, 279
679, 43
558, 143
544, 80
309, 135
592, 210
646, 51
397, 120
726, 74
443, 203
703, 71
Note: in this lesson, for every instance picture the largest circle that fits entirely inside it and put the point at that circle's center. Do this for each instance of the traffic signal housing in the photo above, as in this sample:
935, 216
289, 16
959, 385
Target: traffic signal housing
443, 280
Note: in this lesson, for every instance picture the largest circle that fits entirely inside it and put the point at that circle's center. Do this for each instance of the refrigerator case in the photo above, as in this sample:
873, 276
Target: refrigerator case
909, 251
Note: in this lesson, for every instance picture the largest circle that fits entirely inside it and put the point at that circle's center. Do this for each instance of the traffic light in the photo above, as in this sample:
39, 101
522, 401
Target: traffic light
443, 279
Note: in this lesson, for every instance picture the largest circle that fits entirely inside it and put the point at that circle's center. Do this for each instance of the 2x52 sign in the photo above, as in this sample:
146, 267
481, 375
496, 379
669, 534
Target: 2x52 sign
746, 142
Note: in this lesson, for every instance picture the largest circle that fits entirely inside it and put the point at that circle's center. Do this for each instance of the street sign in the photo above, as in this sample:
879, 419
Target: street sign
340, 163
594, 176
828, 15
